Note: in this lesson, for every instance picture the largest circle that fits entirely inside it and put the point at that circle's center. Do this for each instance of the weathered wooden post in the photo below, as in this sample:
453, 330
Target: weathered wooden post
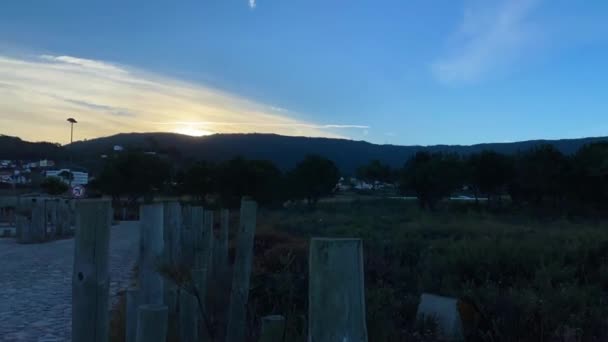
199, 282
131, 314
222, 245
273, 328
188, 317
242, 272
151, 323
171, 230
150, 280
336, 293
172, 226
195, 234
38, 222
63, 218
207, 241
90, 280
22, 227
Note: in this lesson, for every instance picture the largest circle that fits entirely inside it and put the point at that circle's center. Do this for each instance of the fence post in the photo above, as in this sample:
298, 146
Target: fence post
172, 227
273, 328
131, 314
242, 272
336, 302
188, 317
151, 323
150, 280
90, 280
221, 247
207, 257
197, 221
38, 222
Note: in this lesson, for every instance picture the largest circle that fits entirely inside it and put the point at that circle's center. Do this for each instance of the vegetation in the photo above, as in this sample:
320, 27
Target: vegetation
54, 186
313, 178
530, 279
432, 177
375, 172
133, 175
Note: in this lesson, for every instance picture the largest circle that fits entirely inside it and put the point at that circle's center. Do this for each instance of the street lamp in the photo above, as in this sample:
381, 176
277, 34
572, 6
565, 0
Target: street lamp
72, 121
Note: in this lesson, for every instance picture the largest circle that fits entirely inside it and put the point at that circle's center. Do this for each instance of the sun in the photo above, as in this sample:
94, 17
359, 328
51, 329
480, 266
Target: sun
192, 131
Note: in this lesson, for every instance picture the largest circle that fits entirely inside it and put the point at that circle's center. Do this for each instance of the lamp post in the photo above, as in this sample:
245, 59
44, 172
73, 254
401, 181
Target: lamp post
72, 121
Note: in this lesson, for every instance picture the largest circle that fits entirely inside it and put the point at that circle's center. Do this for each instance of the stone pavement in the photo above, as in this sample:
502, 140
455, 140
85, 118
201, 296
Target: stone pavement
36, 284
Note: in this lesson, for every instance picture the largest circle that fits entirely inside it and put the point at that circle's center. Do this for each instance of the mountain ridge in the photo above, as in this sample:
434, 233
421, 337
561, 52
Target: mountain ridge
285, 151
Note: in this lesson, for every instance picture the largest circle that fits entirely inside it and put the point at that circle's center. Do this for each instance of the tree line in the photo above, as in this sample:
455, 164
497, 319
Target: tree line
541, 176
133, 175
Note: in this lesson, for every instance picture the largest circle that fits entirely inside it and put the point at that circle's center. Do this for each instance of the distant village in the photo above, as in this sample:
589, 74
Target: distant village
24, 173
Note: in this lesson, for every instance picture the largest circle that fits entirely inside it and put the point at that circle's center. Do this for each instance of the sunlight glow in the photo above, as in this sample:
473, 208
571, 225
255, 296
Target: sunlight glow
192, 131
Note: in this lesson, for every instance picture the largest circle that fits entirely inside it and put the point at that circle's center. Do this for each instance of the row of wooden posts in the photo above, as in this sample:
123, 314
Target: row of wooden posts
173, 236
39, 219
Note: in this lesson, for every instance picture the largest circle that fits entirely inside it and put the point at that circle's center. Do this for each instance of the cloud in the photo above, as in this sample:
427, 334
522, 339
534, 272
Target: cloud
38, 93
101, 108
491, 36
252, 4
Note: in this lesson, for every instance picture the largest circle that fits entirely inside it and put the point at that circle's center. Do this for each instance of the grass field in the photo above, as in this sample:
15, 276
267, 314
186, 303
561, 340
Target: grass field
532, 279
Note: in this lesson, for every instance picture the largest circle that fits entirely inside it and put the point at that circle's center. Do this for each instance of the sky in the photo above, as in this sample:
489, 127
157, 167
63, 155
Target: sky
386, 71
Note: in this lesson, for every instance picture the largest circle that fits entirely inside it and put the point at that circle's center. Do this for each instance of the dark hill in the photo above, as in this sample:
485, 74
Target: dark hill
16, 149
286, 151
283, 150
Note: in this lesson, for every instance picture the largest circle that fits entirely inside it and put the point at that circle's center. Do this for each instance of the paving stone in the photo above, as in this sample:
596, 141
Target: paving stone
36, 284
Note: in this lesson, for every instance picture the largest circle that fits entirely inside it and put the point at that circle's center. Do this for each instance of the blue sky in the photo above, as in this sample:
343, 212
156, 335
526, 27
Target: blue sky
399, 72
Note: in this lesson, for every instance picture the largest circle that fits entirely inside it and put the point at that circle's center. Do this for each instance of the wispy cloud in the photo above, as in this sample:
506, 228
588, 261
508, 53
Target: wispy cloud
259, 124
492, 35
101, 108
252, 4
38, 93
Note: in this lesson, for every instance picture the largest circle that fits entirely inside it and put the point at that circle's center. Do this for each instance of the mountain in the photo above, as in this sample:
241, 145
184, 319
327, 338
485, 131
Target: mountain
284, 151
14, 148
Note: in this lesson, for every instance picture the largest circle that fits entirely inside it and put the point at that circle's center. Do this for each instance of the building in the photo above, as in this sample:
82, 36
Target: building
79, 177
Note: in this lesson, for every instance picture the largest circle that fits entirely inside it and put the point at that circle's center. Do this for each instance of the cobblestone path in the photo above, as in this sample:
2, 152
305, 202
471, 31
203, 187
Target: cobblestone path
36, 284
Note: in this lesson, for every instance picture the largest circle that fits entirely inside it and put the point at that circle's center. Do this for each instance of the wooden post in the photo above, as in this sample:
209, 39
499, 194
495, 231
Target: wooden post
131, 314
150, 281
188, 317
242, 272
151, 323
273, 328
22, 227
38, 222
172, 227
91, 280
336, 298
207, 240
195, 233
222, 246
199, 282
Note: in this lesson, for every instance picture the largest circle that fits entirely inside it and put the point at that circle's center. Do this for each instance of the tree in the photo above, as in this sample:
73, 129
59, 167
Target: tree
590, 174
540, 173
54, 186
199, 180
259, 179
432, 177
133, 175
313, 178
67, 176
489, 173
375, 172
